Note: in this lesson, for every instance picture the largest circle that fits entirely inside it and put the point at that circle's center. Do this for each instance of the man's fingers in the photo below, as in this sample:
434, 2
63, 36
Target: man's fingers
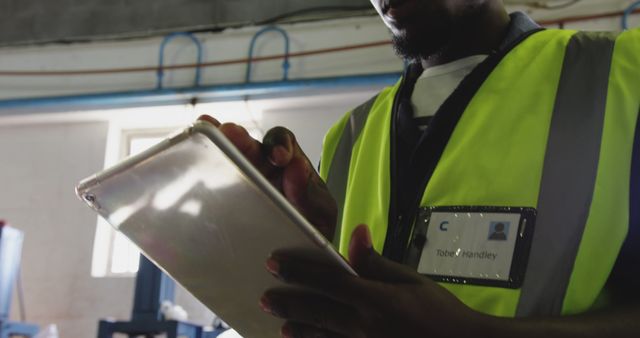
369, 264
312, 309
281, 146
295, 181
285, 165
301, 185
248, 146
328, 280
209, 119
240, 137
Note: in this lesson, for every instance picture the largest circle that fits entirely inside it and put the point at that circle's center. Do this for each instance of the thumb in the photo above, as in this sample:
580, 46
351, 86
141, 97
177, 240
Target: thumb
300, 183
281, 147
371, 265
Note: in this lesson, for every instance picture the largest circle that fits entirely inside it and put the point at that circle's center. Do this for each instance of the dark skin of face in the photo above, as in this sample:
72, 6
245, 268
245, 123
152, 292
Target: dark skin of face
388, 300
439, 31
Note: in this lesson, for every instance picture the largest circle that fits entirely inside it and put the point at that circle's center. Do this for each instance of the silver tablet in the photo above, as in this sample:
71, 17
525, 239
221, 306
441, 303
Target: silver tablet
198, 209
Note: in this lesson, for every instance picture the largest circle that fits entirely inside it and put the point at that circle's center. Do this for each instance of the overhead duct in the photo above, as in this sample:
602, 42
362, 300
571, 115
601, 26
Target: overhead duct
34, 22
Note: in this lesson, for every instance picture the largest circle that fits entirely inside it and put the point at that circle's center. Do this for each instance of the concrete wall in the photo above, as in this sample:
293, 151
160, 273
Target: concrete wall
25, 21
33, 21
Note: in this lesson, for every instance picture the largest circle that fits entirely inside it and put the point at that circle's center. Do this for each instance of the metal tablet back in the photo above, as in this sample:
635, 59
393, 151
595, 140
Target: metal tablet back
204, 215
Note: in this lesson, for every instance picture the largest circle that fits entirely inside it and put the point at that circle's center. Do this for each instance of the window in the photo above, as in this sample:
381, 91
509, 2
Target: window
114, 255
120, 257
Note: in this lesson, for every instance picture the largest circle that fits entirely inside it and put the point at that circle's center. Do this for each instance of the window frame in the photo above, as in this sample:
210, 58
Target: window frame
127, 137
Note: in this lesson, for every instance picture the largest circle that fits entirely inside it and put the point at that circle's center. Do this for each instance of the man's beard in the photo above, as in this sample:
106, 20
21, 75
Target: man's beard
407, 48
419, 46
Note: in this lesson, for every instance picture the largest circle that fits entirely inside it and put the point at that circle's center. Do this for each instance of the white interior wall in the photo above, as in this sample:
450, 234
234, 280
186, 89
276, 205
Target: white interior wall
43, 159
42, 162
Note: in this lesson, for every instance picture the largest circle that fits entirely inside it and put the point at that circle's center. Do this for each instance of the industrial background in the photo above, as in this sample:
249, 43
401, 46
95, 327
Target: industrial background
79, 80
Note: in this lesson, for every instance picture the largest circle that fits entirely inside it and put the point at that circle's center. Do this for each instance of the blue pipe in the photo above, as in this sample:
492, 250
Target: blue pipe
173, 96
285, 65
165, 41
627, 14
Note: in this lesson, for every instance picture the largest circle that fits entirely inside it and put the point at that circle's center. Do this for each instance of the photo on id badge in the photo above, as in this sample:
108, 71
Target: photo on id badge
499, 231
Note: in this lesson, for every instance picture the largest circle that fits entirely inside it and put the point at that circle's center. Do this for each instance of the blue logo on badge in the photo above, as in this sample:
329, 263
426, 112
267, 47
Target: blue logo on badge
499, 231
443, 226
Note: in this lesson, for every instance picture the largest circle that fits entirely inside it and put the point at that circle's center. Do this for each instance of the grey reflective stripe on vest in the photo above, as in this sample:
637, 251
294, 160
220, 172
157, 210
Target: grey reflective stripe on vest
339, 171
569, 173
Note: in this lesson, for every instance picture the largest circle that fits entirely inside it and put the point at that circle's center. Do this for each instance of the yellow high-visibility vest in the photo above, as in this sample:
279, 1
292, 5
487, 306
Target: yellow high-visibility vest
551, 126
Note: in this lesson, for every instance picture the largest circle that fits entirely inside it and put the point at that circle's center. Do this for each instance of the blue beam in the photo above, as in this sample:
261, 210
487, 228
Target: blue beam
152, 288
173, 96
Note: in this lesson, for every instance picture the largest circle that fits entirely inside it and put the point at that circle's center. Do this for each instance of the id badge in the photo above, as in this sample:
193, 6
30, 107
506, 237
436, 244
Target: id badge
486, 246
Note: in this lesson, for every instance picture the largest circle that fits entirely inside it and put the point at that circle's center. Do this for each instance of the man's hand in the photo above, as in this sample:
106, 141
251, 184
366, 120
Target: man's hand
386, 300
280, 159
389, 300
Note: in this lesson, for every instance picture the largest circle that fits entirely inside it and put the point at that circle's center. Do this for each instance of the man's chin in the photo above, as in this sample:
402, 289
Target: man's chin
417, 46
422, 37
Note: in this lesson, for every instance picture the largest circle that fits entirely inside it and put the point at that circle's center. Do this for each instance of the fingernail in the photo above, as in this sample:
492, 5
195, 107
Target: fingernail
273, 266
209, 119
280, 155
269, 306
264, 304
286, 331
